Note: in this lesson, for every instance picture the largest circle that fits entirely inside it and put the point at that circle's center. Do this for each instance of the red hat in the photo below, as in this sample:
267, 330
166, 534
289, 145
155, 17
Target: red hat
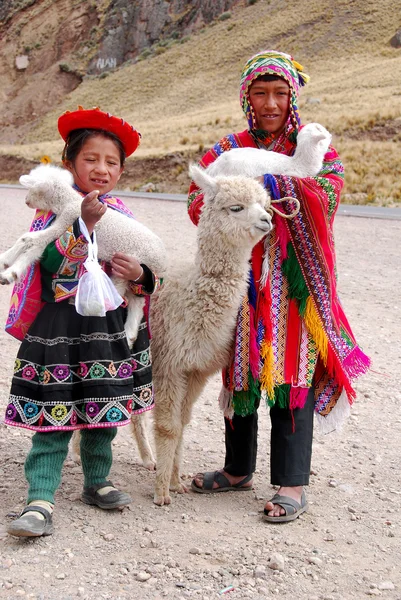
95, 118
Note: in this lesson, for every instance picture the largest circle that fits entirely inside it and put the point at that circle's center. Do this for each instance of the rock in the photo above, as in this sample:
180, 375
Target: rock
315, 560
148, 187
143, 576
260, 572
195, 551
395, 41
60, 576
108, 537
386, 585
22, 62
276, 562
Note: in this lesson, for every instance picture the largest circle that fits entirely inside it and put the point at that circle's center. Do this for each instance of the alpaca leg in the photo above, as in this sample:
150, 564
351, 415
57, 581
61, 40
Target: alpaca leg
139, 430
176, 484
168, 430
76, 446
195, 385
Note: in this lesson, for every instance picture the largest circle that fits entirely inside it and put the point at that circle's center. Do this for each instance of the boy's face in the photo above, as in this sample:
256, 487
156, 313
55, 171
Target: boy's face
97, 165
271, 103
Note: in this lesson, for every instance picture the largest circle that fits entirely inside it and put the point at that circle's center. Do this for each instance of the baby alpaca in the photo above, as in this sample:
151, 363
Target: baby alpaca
193, 314
312, 144
50, 189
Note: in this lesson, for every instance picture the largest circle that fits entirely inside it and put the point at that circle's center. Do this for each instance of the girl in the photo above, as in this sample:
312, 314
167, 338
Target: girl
74, 372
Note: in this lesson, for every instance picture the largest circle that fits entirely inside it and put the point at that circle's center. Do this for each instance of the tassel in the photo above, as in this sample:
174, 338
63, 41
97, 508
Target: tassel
298, 396
266, 376
265, 262
336, 417
253, 346
297, 288
316, 330
244, 402
356, 363
224, 399
282, 395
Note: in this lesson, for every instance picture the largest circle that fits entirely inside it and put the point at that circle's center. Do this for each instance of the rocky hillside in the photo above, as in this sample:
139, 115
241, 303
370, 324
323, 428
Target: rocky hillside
172, 69
49, 46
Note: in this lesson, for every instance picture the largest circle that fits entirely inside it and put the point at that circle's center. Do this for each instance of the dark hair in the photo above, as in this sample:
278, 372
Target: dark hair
77, 138
269, 78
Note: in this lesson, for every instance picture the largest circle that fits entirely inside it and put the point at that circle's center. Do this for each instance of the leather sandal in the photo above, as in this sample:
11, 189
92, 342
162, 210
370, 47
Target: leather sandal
292, 508
113, 499
29, 525
210, 477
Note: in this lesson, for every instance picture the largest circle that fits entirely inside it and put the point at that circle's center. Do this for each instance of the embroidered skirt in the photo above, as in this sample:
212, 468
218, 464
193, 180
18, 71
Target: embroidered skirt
75, 372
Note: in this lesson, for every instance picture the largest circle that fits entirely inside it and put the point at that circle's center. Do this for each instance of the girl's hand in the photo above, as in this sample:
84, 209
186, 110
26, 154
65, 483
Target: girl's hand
92, 210
127, 267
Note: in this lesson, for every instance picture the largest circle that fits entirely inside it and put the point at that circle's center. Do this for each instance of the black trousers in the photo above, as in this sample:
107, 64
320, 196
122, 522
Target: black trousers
290, 444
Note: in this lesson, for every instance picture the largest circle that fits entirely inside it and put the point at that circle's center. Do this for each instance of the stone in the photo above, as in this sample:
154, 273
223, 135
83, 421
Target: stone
22, 62
386, 585
315, 560
276, 562
395, 41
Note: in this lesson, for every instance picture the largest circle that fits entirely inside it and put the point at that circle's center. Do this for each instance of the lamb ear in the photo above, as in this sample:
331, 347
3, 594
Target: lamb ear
27, 181
203, 180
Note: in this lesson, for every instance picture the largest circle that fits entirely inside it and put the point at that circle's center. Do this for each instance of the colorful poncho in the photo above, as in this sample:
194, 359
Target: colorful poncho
292, 332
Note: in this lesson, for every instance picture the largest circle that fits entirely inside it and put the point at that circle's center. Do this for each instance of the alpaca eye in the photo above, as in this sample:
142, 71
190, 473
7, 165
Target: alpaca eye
236, 208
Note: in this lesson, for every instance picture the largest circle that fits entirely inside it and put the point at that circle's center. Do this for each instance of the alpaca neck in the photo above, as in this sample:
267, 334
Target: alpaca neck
218, 257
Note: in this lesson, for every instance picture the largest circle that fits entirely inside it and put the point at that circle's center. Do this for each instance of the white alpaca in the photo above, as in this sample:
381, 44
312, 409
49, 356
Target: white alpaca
50, 189
312, 144
194, 313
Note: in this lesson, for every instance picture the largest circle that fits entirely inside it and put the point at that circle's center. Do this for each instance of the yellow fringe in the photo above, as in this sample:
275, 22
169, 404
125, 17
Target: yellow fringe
314, 327
266, 376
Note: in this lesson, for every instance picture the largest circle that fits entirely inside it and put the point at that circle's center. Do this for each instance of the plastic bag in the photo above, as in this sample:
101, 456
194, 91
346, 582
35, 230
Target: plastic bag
96, 292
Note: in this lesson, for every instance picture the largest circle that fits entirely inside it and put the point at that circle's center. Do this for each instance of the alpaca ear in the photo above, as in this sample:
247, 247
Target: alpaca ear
203, 180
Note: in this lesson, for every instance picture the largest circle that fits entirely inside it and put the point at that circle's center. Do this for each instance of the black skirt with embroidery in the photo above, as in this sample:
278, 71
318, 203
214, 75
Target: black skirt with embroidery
75, 372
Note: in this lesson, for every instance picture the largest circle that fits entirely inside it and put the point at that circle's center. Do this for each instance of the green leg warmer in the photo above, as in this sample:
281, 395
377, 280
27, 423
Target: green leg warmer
96, 454
44, 463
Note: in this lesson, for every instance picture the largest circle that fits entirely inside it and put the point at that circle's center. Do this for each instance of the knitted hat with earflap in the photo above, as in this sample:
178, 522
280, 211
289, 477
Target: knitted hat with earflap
270, 62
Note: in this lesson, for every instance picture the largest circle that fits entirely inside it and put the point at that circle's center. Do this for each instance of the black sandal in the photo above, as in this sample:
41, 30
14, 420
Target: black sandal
27, 525
210, 477
113, 499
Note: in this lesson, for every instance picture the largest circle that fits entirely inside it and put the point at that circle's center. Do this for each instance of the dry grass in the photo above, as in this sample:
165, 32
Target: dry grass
187, 97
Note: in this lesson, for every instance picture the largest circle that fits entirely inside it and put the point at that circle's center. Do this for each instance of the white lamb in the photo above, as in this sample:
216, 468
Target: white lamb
50, 189
312, 144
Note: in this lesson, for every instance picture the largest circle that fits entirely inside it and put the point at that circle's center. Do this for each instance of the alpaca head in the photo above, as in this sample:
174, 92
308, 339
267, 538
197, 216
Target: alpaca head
235, 208
43, 183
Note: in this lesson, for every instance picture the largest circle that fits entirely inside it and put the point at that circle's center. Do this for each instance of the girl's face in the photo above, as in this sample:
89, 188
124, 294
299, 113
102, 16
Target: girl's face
271, 102
97, 165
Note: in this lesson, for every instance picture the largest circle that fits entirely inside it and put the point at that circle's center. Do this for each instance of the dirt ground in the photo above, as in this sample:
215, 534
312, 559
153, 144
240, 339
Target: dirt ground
348, 545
